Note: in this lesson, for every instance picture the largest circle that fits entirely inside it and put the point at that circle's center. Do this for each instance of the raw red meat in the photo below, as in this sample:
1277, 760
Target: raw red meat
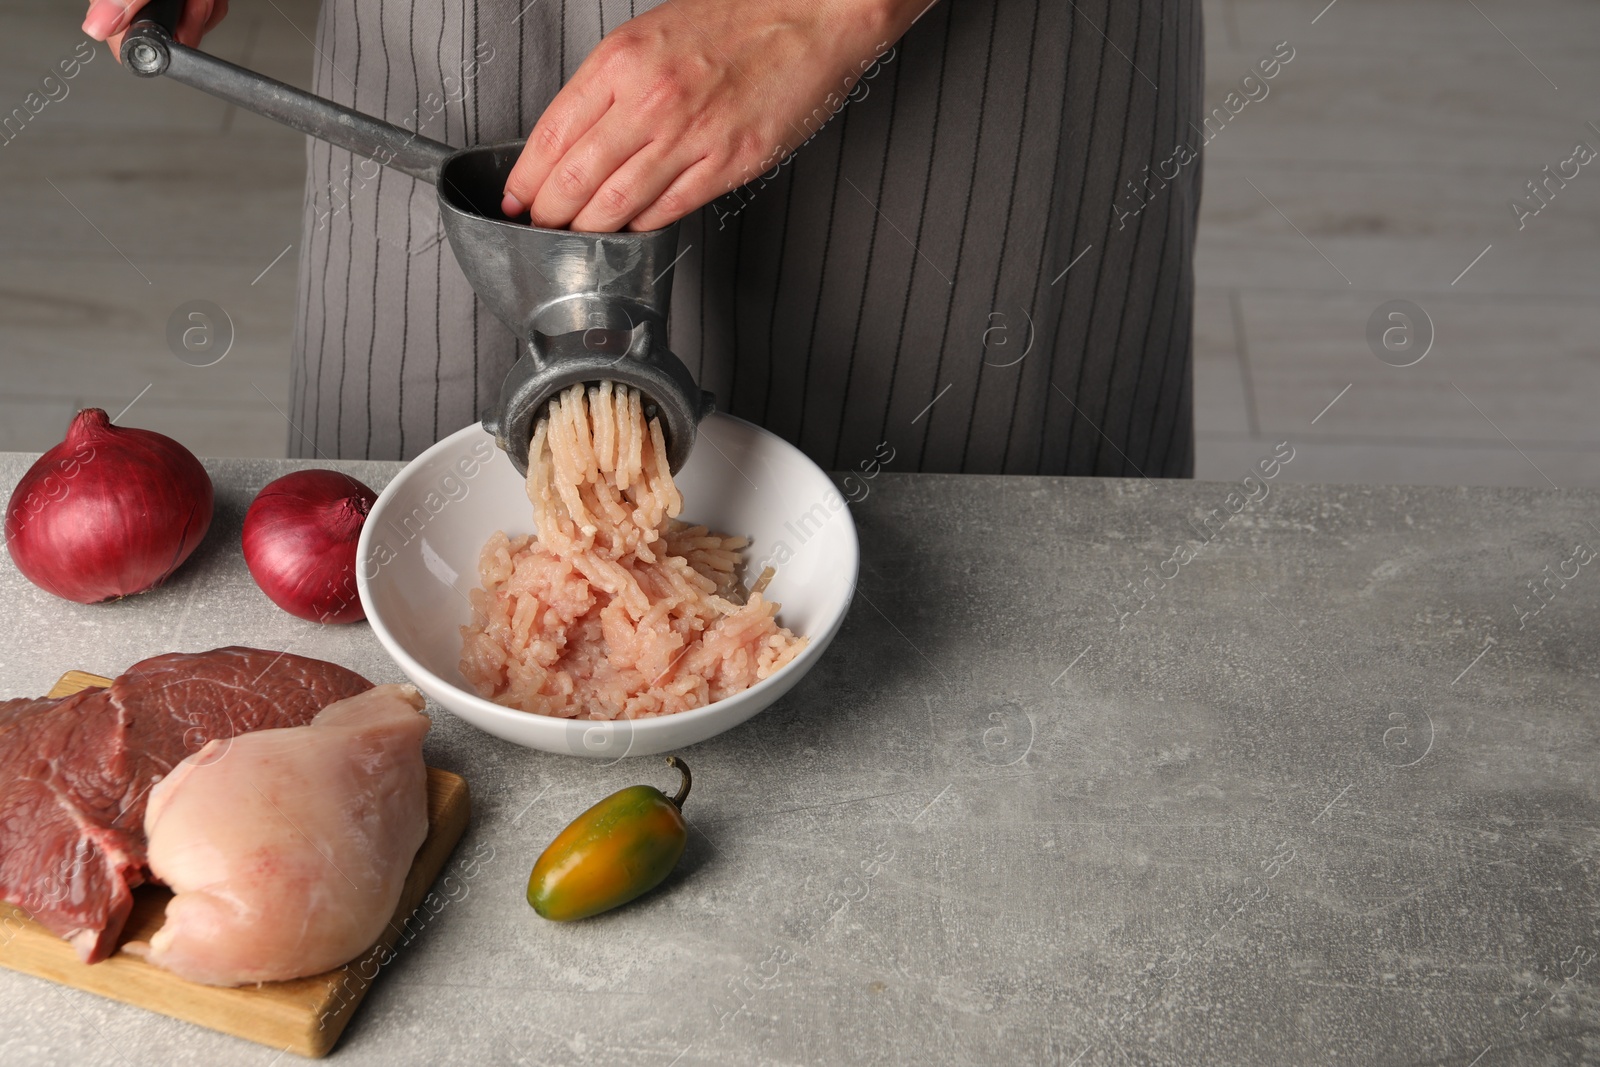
177, 702
75, 773
64, 854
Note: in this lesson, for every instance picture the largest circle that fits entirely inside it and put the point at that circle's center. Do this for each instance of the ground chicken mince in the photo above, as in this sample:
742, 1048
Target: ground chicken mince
616, 609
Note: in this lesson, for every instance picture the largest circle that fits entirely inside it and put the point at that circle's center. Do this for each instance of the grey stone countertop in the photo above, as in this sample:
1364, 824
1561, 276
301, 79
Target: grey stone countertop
1097, 772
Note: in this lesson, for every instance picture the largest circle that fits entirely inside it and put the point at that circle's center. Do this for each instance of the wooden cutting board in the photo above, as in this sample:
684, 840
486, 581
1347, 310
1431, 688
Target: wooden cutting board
304, 1016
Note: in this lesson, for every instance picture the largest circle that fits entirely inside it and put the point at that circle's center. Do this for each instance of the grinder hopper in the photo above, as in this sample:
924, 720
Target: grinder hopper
588, 306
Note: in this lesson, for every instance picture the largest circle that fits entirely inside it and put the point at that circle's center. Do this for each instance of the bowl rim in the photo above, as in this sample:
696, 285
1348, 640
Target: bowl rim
816, 642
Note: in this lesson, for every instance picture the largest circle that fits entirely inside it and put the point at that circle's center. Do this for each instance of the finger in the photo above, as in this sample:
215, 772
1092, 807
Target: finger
632, 187
576, 108
585, 167
107, 17
192, 23
218, 10
690, 191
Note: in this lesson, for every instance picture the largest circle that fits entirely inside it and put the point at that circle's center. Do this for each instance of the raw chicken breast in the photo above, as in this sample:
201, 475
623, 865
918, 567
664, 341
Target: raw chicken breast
287, 849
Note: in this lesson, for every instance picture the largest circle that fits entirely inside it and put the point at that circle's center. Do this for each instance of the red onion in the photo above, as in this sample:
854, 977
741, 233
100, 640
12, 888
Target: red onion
300, 543
108, 512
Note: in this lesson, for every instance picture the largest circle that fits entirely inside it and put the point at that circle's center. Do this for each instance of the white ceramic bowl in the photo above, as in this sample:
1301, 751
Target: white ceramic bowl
419, 549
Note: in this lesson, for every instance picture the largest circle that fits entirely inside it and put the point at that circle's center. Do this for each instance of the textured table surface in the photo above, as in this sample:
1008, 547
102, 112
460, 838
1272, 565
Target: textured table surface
1325, 791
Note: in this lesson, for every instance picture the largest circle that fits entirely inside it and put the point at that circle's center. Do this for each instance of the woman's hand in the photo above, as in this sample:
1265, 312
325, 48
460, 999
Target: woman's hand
108, 18
690, 100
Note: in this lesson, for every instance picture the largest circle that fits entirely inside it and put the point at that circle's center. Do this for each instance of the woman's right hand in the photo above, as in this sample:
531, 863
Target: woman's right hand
108, 18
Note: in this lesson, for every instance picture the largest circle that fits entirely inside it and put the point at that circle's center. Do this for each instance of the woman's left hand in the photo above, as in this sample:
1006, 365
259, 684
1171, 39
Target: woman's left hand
691, 100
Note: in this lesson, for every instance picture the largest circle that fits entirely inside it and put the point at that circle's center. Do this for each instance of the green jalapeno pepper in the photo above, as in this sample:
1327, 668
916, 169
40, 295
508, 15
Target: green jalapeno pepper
619, 849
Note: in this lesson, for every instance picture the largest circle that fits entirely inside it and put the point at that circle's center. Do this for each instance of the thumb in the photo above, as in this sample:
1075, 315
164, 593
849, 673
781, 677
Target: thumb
108, 17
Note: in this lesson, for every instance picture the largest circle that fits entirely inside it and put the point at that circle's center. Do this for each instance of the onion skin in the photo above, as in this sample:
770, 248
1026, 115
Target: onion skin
300, 543
108, 512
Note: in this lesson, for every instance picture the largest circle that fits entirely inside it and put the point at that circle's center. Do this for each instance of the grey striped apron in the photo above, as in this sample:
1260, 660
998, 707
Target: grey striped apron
974, 264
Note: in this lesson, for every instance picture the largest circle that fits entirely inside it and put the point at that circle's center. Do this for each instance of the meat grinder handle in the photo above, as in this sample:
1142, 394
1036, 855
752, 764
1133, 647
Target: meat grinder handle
148, 50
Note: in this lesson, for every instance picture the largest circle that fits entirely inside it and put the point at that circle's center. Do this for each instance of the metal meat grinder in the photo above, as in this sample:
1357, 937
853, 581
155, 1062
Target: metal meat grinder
589, 306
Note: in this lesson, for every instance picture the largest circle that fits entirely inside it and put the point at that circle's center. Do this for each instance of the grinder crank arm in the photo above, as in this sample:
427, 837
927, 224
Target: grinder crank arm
149, 49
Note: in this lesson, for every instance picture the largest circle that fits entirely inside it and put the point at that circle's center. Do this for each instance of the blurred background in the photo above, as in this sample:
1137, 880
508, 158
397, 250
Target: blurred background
1381, 167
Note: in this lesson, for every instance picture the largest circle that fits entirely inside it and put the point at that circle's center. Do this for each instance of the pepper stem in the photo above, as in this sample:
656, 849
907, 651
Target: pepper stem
683, 790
